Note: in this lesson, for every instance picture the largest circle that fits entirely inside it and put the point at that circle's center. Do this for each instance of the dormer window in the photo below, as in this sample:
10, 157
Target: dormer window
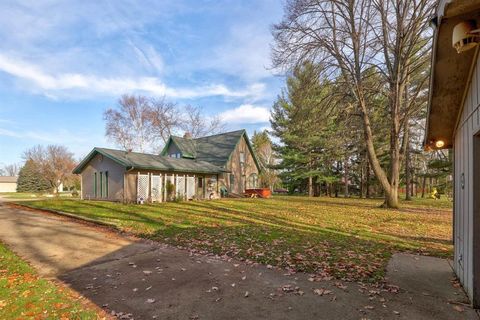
175, 155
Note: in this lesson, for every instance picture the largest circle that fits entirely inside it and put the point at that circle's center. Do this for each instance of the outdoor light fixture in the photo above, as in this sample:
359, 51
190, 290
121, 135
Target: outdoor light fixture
465, 36
439, 143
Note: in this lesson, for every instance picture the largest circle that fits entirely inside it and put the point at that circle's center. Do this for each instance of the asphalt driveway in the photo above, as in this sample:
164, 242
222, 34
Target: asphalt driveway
135, 279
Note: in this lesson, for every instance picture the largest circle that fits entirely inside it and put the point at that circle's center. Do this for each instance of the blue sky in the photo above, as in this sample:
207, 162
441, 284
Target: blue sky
62, 63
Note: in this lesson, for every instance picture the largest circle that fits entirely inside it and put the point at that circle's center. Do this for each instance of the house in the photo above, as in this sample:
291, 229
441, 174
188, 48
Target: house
187, 168
454, 122
8, 184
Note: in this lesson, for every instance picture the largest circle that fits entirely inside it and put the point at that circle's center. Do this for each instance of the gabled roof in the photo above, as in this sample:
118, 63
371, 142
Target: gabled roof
216, 149
450, 73
136, 160
186, 146
8, 179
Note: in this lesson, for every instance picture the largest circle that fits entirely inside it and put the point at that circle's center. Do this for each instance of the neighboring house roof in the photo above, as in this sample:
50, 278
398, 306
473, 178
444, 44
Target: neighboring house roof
216, 149
8, 179
450, 73
135, 160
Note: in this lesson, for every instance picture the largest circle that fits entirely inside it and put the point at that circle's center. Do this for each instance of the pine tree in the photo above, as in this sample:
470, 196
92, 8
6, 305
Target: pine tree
306, 149
30, 179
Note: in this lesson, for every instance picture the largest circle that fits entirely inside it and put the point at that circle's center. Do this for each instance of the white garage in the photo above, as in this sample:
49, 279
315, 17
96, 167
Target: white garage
8, 184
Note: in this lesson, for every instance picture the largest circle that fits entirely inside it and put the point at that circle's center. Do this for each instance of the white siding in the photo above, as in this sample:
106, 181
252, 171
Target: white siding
8, 187
468, 127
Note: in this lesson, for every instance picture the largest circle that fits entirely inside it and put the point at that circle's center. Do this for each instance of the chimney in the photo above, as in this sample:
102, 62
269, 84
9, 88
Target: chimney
187, 135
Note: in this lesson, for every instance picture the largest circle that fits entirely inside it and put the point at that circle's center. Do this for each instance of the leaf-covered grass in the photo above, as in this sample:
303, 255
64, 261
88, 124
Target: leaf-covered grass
351, 239
24, 295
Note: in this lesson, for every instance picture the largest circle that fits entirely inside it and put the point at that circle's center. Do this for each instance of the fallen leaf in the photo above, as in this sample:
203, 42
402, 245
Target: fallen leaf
322, 292
459, 308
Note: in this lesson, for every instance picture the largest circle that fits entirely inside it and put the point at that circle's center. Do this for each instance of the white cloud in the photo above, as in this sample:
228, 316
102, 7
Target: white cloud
9, 133
246, 113
53, 136
148, 56
246, 53
75, 83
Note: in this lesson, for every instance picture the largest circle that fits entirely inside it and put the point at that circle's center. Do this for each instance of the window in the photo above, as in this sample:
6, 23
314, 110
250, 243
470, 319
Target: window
179, 155
200, 182
232, 181
101, 184
106, 184
95, 185
242, 157
252, 182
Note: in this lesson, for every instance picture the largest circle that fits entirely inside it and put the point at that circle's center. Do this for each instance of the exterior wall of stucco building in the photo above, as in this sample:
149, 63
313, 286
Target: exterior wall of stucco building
241, 173
116, 173
8, 184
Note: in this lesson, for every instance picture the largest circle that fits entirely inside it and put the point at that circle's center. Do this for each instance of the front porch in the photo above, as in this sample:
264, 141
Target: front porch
151, 187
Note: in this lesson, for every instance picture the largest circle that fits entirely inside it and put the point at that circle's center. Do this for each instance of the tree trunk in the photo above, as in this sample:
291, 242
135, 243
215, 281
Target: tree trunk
389, 187
310, 186
361, 181
424, 186
367, 181
345, 178
407, 169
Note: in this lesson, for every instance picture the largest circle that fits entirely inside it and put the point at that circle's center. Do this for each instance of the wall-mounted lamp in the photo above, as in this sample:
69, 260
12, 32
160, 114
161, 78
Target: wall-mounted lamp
465, 36
439, 143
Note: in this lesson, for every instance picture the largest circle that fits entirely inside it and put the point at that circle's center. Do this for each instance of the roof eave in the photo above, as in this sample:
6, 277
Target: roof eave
79, 168
170, 169
450, 74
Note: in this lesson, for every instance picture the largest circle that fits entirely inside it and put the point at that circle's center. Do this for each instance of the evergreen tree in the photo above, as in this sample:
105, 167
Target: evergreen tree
31, 180
306, 149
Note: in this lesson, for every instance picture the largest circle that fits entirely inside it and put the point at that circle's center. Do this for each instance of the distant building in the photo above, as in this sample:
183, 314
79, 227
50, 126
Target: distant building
8, 184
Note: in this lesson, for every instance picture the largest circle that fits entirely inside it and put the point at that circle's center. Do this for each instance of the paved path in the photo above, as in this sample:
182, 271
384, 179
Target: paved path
141, 280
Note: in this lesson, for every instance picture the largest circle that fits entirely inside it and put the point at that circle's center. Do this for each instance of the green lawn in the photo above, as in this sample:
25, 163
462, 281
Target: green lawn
350, 239
24, 295
29, 195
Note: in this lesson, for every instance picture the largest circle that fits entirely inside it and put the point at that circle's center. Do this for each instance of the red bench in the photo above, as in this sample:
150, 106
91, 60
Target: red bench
258, 193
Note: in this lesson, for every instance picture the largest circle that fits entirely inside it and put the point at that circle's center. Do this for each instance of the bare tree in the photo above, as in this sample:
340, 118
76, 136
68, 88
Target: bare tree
129, 125
164, 117
353, 40
262, 145
55, 163
406, 46
10, 170
198, 125
144, 124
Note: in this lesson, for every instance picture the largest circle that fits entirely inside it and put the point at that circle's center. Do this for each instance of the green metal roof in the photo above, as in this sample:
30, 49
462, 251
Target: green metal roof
216, 149
150, 162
